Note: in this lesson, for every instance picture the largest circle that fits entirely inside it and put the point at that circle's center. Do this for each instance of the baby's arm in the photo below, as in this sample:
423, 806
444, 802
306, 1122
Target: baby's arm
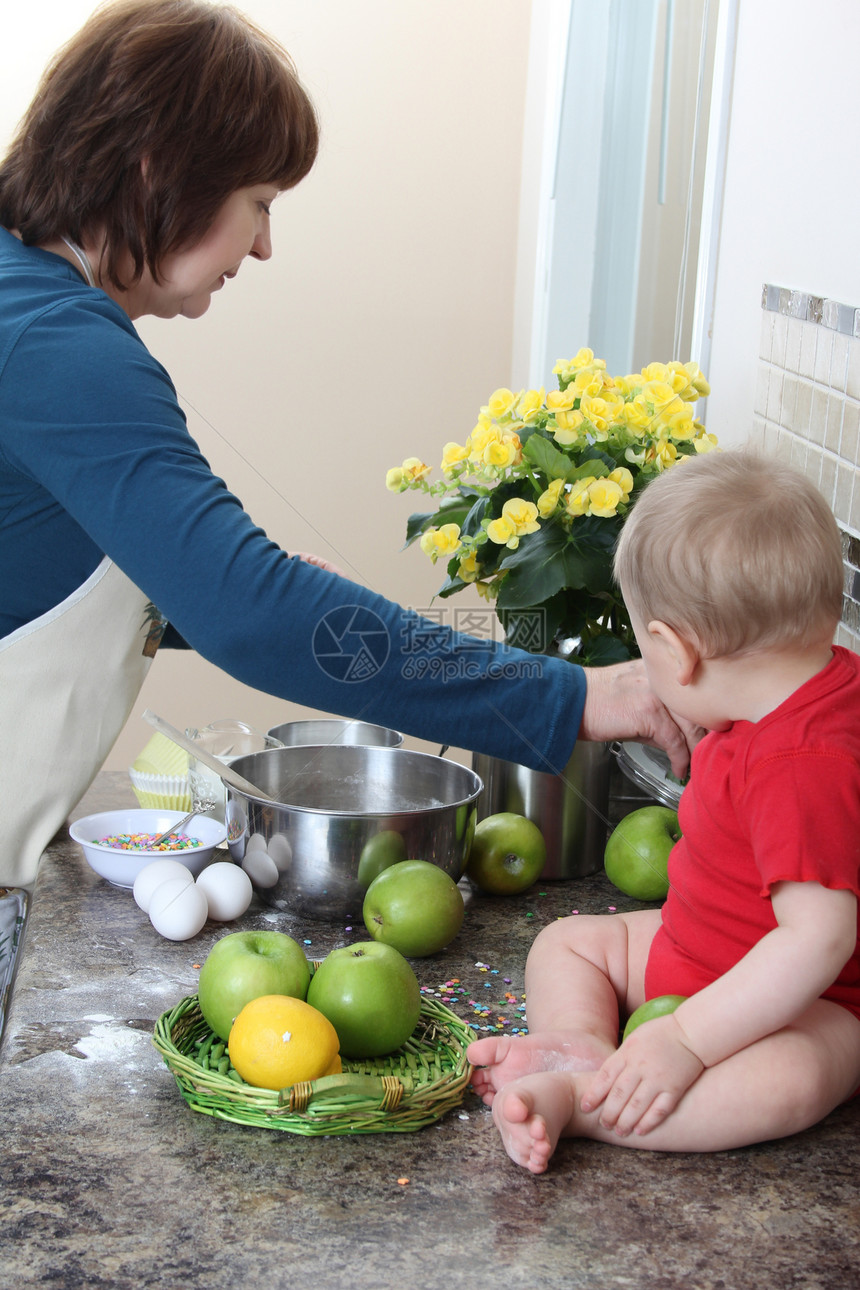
772, 985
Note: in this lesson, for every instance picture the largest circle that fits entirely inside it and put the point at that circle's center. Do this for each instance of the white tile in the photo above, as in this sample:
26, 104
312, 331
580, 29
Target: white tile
827, 481
774, 396
806, 366
833, 432
761, 389
789, 401
817, 416
780, 327
823, 355
852, 380
793, 333
843, 494
850, 444
802, 409
766, 335
839, 362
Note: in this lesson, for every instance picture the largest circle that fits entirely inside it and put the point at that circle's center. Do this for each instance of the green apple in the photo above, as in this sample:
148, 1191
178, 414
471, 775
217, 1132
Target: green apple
414, 906
660, 1006
370, 995
244, 965
508, 854
637, 853
380, 852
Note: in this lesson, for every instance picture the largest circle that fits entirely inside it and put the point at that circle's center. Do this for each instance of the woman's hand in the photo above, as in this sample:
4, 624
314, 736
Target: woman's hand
318, 562
619, 704
644, 1080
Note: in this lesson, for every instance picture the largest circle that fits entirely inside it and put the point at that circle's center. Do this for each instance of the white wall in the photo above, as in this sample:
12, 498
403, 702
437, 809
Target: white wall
384, 319
792, 183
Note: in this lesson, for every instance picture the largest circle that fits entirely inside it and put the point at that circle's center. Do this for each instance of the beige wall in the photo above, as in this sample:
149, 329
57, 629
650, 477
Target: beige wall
385, 317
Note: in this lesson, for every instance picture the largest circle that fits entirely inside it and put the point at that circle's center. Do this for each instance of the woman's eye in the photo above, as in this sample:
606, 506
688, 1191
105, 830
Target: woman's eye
265, 208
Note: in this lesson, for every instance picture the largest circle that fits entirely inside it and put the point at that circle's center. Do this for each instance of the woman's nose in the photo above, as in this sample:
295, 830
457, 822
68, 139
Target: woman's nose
262, 247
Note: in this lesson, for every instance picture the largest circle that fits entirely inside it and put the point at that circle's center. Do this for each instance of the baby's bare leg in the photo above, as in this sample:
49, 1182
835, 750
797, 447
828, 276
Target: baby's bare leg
780, 1085
580, 971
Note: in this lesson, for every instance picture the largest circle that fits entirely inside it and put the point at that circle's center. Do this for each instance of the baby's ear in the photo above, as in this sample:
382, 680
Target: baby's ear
683, 650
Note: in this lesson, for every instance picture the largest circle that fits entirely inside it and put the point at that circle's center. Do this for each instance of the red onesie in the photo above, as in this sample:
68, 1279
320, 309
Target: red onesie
769, 801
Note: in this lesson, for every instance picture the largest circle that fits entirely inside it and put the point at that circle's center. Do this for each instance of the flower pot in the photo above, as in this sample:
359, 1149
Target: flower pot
571, 809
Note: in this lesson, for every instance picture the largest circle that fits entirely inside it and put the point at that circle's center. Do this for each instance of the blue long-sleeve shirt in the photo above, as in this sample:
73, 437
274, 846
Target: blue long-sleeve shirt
96, 458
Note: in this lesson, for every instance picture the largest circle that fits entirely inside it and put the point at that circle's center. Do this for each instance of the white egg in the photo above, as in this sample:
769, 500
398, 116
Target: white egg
256, 842
281, 851
228, 890
260, 868
153, 875
178, 910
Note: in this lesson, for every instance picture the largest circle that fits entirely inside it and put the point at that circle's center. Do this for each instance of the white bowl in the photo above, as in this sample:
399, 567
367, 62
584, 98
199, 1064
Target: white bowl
122, 867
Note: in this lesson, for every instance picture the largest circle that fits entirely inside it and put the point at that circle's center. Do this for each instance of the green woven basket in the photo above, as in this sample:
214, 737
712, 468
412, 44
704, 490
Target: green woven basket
404, 1091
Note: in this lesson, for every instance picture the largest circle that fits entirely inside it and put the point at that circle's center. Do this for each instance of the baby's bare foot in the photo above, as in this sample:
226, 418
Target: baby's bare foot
531, 1114
502, 1058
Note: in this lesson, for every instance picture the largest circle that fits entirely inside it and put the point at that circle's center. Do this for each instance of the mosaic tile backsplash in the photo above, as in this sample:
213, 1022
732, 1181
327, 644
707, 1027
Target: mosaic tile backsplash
807, 411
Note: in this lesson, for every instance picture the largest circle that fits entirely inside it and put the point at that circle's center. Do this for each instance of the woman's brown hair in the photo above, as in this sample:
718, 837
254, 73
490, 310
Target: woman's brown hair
144, 124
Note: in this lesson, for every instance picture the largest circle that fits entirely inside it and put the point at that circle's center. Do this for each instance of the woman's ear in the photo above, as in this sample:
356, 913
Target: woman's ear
683, 651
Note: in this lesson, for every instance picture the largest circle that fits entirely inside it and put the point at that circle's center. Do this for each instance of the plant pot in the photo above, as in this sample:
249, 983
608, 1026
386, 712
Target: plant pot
570, 809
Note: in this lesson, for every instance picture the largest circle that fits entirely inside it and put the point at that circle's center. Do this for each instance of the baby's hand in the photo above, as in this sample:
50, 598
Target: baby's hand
645, 1079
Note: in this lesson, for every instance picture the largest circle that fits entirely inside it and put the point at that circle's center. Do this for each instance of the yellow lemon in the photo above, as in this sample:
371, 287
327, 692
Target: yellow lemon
277, 1041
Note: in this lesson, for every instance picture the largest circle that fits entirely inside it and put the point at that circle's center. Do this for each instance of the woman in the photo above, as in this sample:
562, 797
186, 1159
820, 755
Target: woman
141, 178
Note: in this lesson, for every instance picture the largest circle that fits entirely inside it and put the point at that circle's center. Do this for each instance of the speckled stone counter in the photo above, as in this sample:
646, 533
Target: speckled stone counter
109, 1180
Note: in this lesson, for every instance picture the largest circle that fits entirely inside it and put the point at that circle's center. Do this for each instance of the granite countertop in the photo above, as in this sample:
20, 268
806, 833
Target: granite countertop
110, 1180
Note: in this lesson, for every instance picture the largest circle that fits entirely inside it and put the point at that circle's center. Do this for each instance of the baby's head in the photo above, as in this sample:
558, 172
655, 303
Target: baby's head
738, 552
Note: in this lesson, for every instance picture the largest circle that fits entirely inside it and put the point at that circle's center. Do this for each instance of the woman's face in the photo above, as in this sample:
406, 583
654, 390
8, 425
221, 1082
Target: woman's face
189, 277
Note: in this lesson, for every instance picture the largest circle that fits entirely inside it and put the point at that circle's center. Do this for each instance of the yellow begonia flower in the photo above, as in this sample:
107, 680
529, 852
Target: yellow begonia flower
705, 442
681, 424
468, 568
576, 502
623, 478
561, 400
660, 394
529, 404
518, 518
503, 451
595, 411
604, 496
483, 433
637, 414
453, 454
501, 402
414, 468
568, 427
394, 479
548, 500
654, 372
441, 541
503, 532
665, 454
522, 514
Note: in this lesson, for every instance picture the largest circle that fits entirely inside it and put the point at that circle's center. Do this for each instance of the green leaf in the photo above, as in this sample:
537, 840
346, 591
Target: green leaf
546, 562
539, 452
452, 510
602, 651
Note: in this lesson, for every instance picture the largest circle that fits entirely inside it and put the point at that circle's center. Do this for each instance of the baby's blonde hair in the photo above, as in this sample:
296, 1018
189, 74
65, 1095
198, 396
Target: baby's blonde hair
736, 550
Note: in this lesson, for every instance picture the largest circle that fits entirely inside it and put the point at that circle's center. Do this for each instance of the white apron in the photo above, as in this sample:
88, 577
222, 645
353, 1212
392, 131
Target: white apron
68, 681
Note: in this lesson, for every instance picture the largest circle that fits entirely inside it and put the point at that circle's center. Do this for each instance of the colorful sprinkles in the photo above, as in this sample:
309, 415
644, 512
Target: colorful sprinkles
144, 841
503, 1011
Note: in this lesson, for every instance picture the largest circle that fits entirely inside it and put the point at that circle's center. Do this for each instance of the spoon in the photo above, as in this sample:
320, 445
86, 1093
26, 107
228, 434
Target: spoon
180, 824
221, 769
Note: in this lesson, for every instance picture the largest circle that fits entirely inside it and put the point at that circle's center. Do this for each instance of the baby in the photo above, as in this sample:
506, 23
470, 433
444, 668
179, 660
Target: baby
731, 567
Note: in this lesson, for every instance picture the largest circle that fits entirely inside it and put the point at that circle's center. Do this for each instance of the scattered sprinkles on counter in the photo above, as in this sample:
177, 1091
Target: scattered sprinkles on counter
505, 1014
144, 841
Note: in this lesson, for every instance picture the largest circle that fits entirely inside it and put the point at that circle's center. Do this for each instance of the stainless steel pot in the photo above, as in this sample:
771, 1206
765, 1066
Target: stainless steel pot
341, 814
333, 730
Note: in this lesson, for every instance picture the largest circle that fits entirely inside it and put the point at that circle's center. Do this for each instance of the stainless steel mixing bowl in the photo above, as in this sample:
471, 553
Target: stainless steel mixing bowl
334, 730
342, 813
